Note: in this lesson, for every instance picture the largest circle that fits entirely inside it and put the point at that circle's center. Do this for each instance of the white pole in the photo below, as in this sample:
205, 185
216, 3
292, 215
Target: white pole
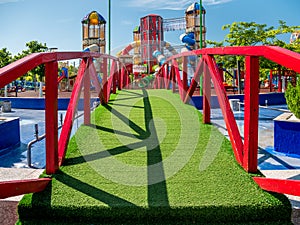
41, 89
5, 91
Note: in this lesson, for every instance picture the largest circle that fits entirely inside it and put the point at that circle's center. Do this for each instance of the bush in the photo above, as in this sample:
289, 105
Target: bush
292, 96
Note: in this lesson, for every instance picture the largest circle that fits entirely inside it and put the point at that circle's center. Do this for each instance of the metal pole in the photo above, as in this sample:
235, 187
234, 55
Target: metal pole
109, 26
201, 26
201, 44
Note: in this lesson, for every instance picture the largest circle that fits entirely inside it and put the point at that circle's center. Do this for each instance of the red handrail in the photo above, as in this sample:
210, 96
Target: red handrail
20, 187
55, 150
246, 154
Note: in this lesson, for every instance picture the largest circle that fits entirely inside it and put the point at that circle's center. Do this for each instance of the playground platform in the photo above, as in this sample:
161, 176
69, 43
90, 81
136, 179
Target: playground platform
146, 158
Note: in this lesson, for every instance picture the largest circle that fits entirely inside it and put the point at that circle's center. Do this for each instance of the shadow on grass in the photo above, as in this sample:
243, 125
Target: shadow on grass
157, 189
92, 191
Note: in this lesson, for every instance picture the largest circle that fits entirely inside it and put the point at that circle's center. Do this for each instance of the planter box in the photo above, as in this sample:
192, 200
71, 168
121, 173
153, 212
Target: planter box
287, 134
9, 134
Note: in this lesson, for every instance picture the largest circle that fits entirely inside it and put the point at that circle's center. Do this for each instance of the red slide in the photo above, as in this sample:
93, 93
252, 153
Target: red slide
60, 78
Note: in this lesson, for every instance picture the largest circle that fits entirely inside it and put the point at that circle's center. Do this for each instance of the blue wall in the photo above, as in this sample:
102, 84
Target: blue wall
287, 137
272, 98
9, 134
39, 103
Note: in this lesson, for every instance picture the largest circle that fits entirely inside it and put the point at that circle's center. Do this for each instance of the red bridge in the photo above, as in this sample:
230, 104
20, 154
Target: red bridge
246, 152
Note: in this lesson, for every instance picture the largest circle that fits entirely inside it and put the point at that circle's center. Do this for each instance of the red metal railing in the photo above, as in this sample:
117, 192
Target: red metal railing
246, 152
56, 149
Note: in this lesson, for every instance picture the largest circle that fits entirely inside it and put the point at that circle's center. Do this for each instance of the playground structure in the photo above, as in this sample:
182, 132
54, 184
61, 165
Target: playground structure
149, 46
279, 79
93, 31
295, 36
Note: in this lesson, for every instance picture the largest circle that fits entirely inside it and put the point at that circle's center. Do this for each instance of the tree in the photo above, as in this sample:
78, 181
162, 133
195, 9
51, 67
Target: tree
251, 34
5, 57
33, 47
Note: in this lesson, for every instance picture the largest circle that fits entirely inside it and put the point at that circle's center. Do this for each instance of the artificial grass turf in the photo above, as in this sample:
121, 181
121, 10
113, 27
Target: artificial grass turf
147, 159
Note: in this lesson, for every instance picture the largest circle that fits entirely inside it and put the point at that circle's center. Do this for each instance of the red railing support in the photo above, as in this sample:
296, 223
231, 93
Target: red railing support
184, 74
195, 80
279, 80
251, 114
290, 187
51, 73
20, 187
104, 80
233, 131
168, 77
115, 78
122, 78
271, 81
87, 96
173, 76
178, 78
68, 122
206, 96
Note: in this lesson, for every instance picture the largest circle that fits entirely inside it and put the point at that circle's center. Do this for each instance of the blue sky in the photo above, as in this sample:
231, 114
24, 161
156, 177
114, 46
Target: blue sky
58, 22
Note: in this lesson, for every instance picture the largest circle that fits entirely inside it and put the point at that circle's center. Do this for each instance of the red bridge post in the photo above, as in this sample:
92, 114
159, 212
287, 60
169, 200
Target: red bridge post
184, 74
206, 95
104, 80
51, 72
251, 114
87, 95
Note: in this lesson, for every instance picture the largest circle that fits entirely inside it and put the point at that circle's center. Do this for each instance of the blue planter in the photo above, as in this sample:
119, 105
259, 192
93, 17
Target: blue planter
287, 135
9, 134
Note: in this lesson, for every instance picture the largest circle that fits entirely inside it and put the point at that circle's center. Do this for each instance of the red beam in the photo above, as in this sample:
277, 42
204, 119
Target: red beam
251, 114
104, 80
206, 96
230, 122
18, 68
178, 78
115, 78
122, 78
51, 71
87, 97
279, 80
290, 187
110, 80
68, 122
167, 76
184, 74
195, 80
20, 187
276, 54
173, 77
93, 75
271, 81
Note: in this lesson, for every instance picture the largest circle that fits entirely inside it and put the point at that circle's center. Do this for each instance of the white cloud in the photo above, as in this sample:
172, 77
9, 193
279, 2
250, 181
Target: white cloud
126, 22
9, 1
215, 2
170, 5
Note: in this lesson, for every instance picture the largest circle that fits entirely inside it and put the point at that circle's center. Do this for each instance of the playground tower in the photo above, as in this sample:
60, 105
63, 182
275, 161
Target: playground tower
294, 36
93, 31
137, 49
152, 37
193, 23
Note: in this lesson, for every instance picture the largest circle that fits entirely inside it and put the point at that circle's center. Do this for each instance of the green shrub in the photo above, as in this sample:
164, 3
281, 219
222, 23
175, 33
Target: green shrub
292, 96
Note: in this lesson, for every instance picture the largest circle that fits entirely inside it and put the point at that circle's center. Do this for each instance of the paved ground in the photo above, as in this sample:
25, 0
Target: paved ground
8, 206
270, 164
35, 94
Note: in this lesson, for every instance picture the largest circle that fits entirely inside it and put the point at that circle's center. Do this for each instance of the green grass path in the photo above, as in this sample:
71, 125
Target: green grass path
147, 159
